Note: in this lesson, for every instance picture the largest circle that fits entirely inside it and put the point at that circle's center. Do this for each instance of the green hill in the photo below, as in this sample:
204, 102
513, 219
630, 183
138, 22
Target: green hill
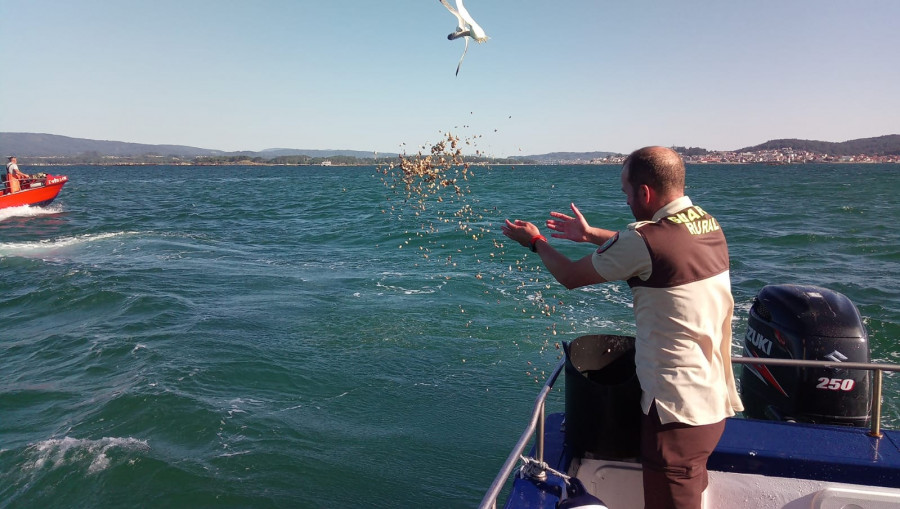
882, 145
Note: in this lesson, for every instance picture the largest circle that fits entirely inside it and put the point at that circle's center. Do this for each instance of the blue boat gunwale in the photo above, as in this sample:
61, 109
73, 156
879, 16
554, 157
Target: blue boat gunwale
751, 446
867, 457
808, 451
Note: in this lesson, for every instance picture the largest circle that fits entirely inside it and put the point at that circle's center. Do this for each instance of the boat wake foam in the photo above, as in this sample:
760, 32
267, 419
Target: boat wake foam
41, 247
29, 211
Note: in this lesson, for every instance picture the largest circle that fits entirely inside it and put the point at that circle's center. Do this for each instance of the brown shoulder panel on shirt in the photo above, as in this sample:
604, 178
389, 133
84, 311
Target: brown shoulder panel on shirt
684, 247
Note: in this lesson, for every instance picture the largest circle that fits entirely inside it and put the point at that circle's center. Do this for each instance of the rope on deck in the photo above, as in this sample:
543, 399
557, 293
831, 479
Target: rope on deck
533, 468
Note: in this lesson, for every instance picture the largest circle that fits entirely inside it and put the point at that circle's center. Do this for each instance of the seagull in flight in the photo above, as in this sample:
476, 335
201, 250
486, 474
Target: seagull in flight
466, 27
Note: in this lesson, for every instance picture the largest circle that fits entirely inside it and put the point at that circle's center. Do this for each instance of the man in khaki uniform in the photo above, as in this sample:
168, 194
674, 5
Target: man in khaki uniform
675, 259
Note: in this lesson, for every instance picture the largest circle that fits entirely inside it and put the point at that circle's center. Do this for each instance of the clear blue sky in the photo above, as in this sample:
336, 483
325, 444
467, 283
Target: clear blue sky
574, 75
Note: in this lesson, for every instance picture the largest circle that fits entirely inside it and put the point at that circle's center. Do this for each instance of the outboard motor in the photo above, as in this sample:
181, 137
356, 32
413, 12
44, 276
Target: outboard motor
809, 323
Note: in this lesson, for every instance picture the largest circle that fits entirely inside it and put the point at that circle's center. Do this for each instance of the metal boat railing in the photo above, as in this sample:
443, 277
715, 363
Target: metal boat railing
25, 183
537, 421
537, 415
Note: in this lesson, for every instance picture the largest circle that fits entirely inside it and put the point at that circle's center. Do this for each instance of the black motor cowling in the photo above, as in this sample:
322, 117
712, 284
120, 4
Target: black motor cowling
808, 323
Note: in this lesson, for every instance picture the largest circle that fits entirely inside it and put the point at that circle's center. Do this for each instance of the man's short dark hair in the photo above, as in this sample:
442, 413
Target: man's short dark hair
659, 168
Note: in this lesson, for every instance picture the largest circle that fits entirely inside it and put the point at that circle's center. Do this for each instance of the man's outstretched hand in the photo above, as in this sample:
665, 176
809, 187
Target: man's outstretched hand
520, 231
571, 228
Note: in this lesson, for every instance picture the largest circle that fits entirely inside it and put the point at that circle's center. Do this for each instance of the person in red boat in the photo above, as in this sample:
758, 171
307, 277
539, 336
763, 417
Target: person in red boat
675, 259
13, 175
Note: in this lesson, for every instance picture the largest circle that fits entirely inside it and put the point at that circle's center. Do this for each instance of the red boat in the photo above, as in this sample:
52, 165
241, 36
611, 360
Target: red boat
36, 191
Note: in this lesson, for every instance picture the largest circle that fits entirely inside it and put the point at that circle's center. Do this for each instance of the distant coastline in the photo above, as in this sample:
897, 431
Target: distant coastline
34, 149
473, 163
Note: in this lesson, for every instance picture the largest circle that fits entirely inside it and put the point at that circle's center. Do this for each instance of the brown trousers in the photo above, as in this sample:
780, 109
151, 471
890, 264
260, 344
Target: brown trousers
674, 461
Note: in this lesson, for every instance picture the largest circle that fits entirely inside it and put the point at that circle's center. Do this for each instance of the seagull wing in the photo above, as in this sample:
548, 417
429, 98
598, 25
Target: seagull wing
466, 18
459, 19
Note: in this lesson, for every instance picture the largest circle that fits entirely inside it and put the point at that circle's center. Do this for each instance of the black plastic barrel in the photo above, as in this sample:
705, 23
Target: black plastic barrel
603, 398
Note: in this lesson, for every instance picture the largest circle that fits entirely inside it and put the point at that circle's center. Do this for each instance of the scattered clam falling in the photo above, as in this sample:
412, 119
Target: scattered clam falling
433, 187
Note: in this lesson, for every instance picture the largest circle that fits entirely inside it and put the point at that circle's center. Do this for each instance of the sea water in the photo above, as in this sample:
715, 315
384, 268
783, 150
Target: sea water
254, 336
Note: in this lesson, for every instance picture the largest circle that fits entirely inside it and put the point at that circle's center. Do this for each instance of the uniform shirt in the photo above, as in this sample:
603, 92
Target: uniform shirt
677, 268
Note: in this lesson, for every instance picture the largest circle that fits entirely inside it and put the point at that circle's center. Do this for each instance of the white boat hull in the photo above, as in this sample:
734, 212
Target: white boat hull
620, 486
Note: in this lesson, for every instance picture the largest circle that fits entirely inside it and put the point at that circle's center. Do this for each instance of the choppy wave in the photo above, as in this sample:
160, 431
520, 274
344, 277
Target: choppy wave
425, 290
68, 451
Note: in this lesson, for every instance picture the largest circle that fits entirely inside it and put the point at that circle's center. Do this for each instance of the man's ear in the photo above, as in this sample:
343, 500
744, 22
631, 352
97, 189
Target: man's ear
645, 194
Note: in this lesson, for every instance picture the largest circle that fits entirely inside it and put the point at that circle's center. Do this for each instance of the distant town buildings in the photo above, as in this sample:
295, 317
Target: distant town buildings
788, 156
780, 156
